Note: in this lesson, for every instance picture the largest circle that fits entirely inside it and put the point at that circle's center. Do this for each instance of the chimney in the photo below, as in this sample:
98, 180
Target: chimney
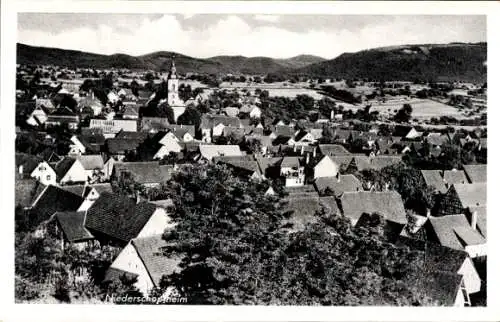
137, 197
338, 177
428, 212
302, 150
473, 220
294, 148
21, 169
332, 115
314, 152
307, 156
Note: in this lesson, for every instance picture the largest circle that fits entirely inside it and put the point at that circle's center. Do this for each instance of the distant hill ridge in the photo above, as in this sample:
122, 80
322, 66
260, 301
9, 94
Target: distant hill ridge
437, 62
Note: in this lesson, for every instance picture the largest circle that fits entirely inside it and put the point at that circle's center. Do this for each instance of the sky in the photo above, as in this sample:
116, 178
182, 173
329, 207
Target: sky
208, 35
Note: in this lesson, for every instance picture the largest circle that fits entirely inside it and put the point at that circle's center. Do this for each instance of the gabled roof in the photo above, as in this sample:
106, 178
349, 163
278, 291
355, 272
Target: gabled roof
153, 123
472, 194
91, 161
54, 199
454, 177
25, 191
150, 251
333, 149
245, 162
436, 138
437, 285
28, 161
118, 146
330, 202
338, 186
114, 274
283, 130
180, 129
455, 231
132, 135
481, 219
302, 210
434, 178
118, 217
437, 257
83, 189
145, 172
209, 121
476, 173
389, 204
62, 167
290, 162
72, 225
210, 151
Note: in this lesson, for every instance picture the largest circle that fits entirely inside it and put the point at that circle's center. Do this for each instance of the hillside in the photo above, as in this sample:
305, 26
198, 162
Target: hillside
160, 61
456, 61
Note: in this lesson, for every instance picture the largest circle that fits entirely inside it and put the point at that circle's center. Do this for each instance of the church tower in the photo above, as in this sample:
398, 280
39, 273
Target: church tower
173, 87
173, 99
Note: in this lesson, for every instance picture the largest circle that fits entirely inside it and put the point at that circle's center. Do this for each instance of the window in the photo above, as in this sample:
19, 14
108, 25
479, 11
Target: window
48, 177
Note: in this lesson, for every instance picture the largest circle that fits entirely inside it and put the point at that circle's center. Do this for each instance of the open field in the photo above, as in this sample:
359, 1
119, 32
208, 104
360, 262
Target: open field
422, 108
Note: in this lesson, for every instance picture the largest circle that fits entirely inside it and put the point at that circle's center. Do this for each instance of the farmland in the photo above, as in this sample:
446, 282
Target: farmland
422, 108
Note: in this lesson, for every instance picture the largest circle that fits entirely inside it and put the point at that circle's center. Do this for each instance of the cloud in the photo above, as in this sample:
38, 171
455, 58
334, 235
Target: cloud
237, 35
267, 18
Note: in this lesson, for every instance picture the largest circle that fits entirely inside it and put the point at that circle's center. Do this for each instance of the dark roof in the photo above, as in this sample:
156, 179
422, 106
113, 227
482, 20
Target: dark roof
245, 162
338, 186
440, 286
118, 217
209, 121
157, 264
454, 177
283, 130
62, 167
25, 191
28, 161
132, 135
290, 162
72, 225
387, 203
119, 146
83, 189
434, 178
114, 274
302, 210
472, 194
333, 149
332, 203
154, 123
52, 200
476, 173
455, 231
437, 257
145, 172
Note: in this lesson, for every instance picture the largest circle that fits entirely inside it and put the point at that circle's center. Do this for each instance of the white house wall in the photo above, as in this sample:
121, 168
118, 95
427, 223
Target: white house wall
128, 260
156, 224
472, 280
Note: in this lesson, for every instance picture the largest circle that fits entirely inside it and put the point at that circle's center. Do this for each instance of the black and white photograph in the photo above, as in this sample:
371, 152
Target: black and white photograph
250, 159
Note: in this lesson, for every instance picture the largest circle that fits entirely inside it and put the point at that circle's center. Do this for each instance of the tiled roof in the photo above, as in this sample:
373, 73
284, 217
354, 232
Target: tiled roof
211, 151
437, 257
145, 172
434, 178
209, 121
157, 264
72, 225
25, 191
82, 189
437, 285
52, 200
452, 230
119, 146
154, 123
62, 167
290, 162
454, 177
245, 162
389, 204
481, 219
472, 194
115, 274
330, 202
303, 210
131, 135
333, 149
118, 217
91, 161
476, 173
338, 186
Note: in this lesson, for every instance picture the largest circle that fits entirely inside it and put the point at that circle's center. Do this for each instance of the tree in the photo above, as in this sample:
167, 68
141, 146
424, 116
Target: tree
404, 114
238, 249
191, 116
